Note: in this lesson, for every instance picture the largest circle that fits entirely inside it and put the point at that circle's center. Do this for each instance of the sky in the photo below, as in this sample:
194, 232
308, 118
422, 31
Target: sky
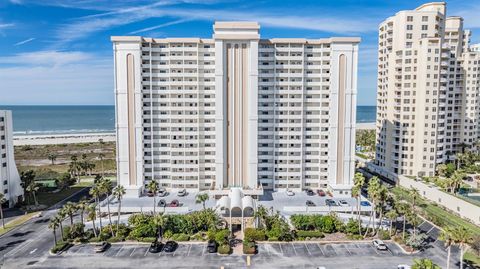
58, 52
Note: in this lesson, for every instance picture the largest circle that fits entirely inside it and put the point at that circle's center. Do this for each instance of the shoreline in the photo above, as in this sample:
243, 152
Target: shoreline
55, 139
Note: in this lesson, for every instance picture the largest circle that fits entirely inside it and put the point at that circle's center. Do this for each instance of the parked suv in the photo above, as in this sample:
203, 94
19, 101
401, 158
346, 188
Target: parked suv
378, 244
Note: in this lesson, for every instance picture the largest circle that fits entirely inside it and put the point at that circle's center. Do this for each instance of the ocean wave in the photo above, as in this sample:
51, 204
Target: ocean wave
56, 132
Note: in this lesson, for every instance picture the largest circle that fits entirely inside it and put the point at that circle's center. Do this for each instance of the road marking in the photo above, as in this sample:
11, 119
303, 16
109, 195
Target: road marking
188, 252
203, 252
306, 246
294, 250
374, 248
334, 250
146, 252
134, 248
268, 250
33, 251
433, 227
318, 245
281, 249
119, 251
349, 253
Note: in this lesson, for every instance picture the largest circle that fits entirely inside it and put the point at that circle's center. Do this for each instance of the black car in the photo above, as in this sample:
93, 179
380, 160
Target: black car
212, 246
155, 247
310, 203
170, 246
162, 203
101, 247
330, 202
310, 192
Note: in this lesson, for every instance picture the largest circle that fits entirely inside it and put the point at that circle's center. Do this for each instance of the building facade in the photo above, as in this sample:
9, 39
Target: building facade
427, 93
235, 111
9, 177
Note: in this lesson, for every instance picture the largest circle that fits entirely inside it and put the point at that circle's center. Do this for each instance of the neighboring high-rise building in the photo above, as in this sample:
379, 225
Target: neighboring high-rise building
475, 47
236, 111
428, 91
9, 177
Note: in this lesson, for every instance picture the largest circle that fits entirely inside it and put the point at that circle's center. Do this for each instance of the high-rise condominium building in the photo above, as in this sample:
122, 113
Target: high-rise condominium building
9, 177
428, 90
236, 111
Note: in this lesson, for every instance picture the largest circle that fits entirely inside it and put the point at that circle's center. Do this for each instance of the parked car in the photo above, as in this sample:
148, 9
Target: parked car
403, 266
378, 244
321, 193
310, 203
155, 247
162, 203
212, 246
310, 192
343, 203
162, 192
170, 246
101, 247
290, 192
174, 203
149, 194
182, 192
364, 203
330, 202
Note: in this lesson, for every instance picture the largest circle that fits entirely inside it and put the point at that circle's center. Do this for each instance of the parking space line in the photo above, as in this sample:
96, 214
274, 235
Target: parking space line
318, 245
349, 253
146, 252
134, 248
268, 250
306, 246
188, 252
374, 248
433, 227
294, 250
203, 252
334, 250
119, 250
281, 249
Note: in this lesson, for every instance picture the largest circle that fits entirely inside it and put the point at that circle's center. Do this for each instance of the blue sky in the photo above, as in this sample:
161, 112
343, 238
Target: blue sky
59, 51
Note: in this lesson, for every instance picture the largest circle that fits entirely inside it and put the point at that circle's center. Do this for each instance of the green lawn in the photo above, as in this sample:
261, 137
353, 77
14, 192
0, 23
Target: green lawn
472, 259
436, 214
361, 155
17, 222
50, 198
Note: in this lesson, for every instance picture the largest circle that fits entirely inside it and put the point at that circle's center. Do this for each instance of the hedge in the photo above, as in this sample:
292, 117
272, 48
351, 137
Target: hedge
147, 239
309, 234
249, 248
224, 249
115, 239
61, 246
252, 234
180, 237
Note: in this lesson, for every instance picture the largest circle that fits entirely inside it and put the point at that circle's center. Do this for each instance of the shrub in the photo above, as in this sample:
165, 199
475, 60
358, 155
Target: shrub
104, 235
181, 237
147, 239
249, 248
352, 227
273, 238
224, 249
115, 239
383, 235
168, 234
222, 236
61, 246
142, 226
304, 234
95, 240
252, 234
198, 237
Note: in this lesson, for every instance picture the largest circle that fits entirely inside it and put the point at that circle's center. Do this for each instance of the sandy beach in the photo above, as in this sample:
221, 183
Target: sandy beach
22, 140
365, 126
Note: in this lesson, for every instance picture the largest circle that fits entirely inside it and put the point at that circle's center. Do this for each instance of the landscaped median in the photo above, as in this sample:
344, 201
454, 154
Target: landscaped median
17, 222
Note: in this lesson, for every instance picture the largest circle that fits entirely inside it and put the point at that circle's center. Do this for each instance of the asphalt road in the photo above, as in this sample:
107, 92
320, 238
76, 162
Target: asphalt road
33, 239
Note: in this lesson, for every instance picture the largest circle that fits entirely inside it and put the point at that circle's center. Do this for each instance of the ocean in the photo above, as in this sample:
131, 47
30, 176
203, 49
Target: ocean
38, 120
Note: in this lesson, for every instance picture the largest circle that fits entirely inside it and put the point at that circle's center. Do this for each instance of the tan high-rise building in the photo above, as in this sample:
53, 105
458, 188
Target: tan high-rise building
428, 90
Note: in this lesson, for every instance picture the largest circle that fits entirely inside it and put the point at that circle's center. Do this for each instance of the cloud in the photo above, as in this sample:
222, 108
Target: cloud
49, 77
24, 41
47, 58
6, 25
148, 29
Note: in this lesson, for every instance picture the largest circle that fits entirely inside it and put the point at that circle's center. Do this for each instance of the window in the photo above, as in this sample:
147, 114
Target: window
409, 18
424, 18
409, 27
424, 27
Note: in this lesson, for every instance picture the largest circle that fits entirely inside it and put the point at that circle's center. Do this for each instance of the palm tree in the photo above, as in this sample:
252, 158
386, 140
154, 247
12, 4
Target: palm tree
202, 198
159, 222
373, 194
60, 217
261, 215
2, 200
414, 194
74, 167
52, 157
96, 192
82, 205
382, 195
107, 187
461, 237
403, 209
457, 180
92, 215
424, 264
447, 237
54, 223
392, 215
119, 192
153, 187
70, 208
33, 188
358, 182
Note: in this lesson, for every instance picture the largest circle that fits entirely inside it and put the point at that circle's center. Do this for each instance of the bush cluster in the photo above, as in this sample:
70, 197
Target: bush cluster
326, 224
252, 234
309, 234
61, 246
249, 248
224, 249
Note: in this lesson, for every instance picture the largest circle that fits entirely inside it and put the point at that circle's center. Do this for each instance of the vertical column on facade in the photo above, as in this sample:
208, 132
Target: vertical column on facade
220, 107
199, 93
303, 119
169, 87
252, 81
274, 130
152, 159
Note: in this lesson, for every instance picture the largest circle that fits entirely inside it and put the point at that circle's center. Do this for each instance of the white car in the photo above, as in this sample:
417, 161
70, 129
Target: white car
343, 203
182, 192
290, 193
403, 266
378, 244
